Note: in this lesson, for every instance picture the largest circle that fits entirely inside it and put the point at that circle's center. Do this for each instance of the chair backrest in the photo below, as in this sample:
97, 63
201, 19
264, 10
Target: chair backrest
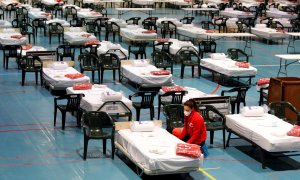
93, 48
242, 26
147, 97
187, 20
177, 96
101, 21
55, 27
26, 28
70, 10
167, 25
207, 25
276, 25
29, 62
98, 120
110, 60
237, 54
222, 103
91, 27
77, 22
12, 50
188, 55
165, 46
207, 46
212, 116
285, 110
152, 19
88, 61
67, 50
111, 26
39, 22
149, 25
241, 93
161, 59
174, 116
133, 20
73, 101
116, 109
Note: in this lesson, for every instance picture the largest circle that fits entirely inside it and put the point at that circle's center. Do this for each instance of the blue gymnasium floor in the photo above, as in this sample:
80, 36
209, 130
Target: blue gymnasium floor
31, 148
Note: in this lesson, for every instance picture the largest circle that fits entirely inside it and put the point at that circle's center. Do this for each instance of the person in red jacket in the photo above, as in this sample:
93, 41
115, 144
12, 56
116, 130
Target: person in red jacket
194, 130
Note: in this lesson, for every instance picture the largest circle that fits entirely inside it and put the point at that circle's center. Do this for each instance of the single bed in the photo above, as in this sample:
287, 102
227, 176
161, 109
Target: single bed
11, 36
228, 12
137, 147
268, 132
141, 76
51, 2
76, 36
191, 31
228, 68
268, 33
56, 79
88, 14
134, 32
275, 13
93, 99
107, 46
35, 13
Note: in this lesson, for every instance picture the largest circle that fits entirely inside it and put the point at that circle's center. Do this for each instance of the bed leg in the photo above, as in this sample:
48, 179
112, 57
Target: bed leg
262, 157
228, 138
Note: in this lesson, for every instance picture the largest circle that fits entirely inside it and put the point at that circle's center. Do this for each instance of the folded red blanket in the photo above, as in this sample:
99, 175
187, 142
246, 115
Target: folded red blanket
263, 81
27, 47
162, 40
92, 42
59, 1
189, 150
247, 12
86, 35
172, 88
96, 13
82, 86
160, 72
47, 14
281, 31
210, 31
295, 131
17, 36
74, 76
242, 64
149, 32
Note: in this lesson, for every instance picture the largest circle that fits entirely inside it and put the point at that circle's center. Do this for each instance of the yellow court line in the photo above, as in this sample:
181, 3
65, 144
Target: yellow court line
206, 174
211, 168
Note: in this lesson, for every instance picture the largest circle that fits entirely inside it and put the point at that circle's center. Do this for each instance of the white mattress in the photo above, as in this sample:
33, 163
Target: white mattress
281, 14
57, 79
142, 76
5, 39
75, 38
64, 23
83, 13
136, 32
268, 132
190, 30
236, 14
137, 144
227, 67
93, 99
143, 2
268, 33
37, 14
106, 45
5, 24
173, 20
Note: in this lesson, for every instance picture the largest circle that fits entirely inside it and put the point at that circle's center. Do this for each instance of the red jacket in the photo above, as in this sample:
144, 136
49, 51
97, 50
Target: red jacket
194, 127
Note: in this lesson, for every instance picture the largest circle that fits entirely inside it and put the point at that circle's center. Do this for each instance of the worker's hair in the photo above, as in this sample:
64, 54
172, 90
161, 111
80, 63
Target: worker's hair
191, 104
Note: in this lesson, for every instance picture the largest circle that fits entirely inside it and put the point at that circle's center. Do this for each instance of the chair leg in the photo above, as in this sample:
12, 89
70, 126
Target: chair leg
23, 77
41, 76
93, 74
99, 76
199, 71
112, 148
158, 113
78, 117
224, 138
114, 75
238, 108
86, 142
119, 71
151, 112
55, 114
138, 111
193, 71
104, 146
212, 137
63, 119
102, 72
182, 71
36, 78
232, 108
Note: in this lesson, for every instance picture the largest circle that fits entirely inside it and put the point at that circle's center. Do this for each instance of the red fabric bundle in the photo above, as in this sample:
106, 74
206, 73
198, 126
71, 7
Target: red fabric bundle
242, 64
295, 131
176, 132
163, 40
96, 13
86, 35
92, 42
160, 72
263, 81
74, 76
46, 14
281, 31
27, 47
149, 32
292, 13
59, 1
247, 12
82, 86
210, 31
17, 36
172, 88
189, 150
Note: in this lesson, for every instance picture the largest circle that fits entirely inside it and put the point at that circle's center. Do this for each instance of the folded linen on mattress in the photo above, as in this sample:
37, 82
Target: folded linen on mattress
59, 65
142, 126
111, 96
218, 56
140, 63
252, 111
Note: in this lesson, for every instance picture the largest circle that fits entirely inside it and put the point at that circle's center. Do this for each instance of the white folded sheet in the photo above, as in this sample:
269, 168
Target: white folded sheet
142, 126
252, 111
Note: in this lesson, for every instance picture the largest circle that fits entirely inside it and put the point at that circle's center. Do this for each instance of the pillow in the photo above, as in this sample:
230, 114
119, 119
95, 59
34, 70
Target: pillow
260, 25
75, 29
295, 131
188, 150
218, 56
59, 65
142, 126
82, 86
140, 63
263, 81
252, 111
111, 96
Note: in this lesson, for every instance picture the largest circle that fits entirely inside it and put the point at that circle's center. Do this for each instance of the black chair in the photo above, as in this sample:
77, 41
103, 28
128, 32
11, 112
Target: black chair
119, 53
11, 8
242, 27
147, 98
285, 111
21, 13
77, 22
100, 22
12, 51
133, 20
89, 62
221, 23
163, 46
266, 20
188, 57
168, 27
70, 11
263, 95
98, 125
92, 49
174, 97
139, 50
152, 19
187, 20
110, 61
16, 23
162, 59
295, 25
31, 64
27, 29
174, 116
92, 27
149, 25
58, 9
56, 29
214, 121
207, 25
114, 28
207, 46
101, 9
276, 25
237, 55
1, 13
39, 23
239, 98
71, 103
63, 51
78, 2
